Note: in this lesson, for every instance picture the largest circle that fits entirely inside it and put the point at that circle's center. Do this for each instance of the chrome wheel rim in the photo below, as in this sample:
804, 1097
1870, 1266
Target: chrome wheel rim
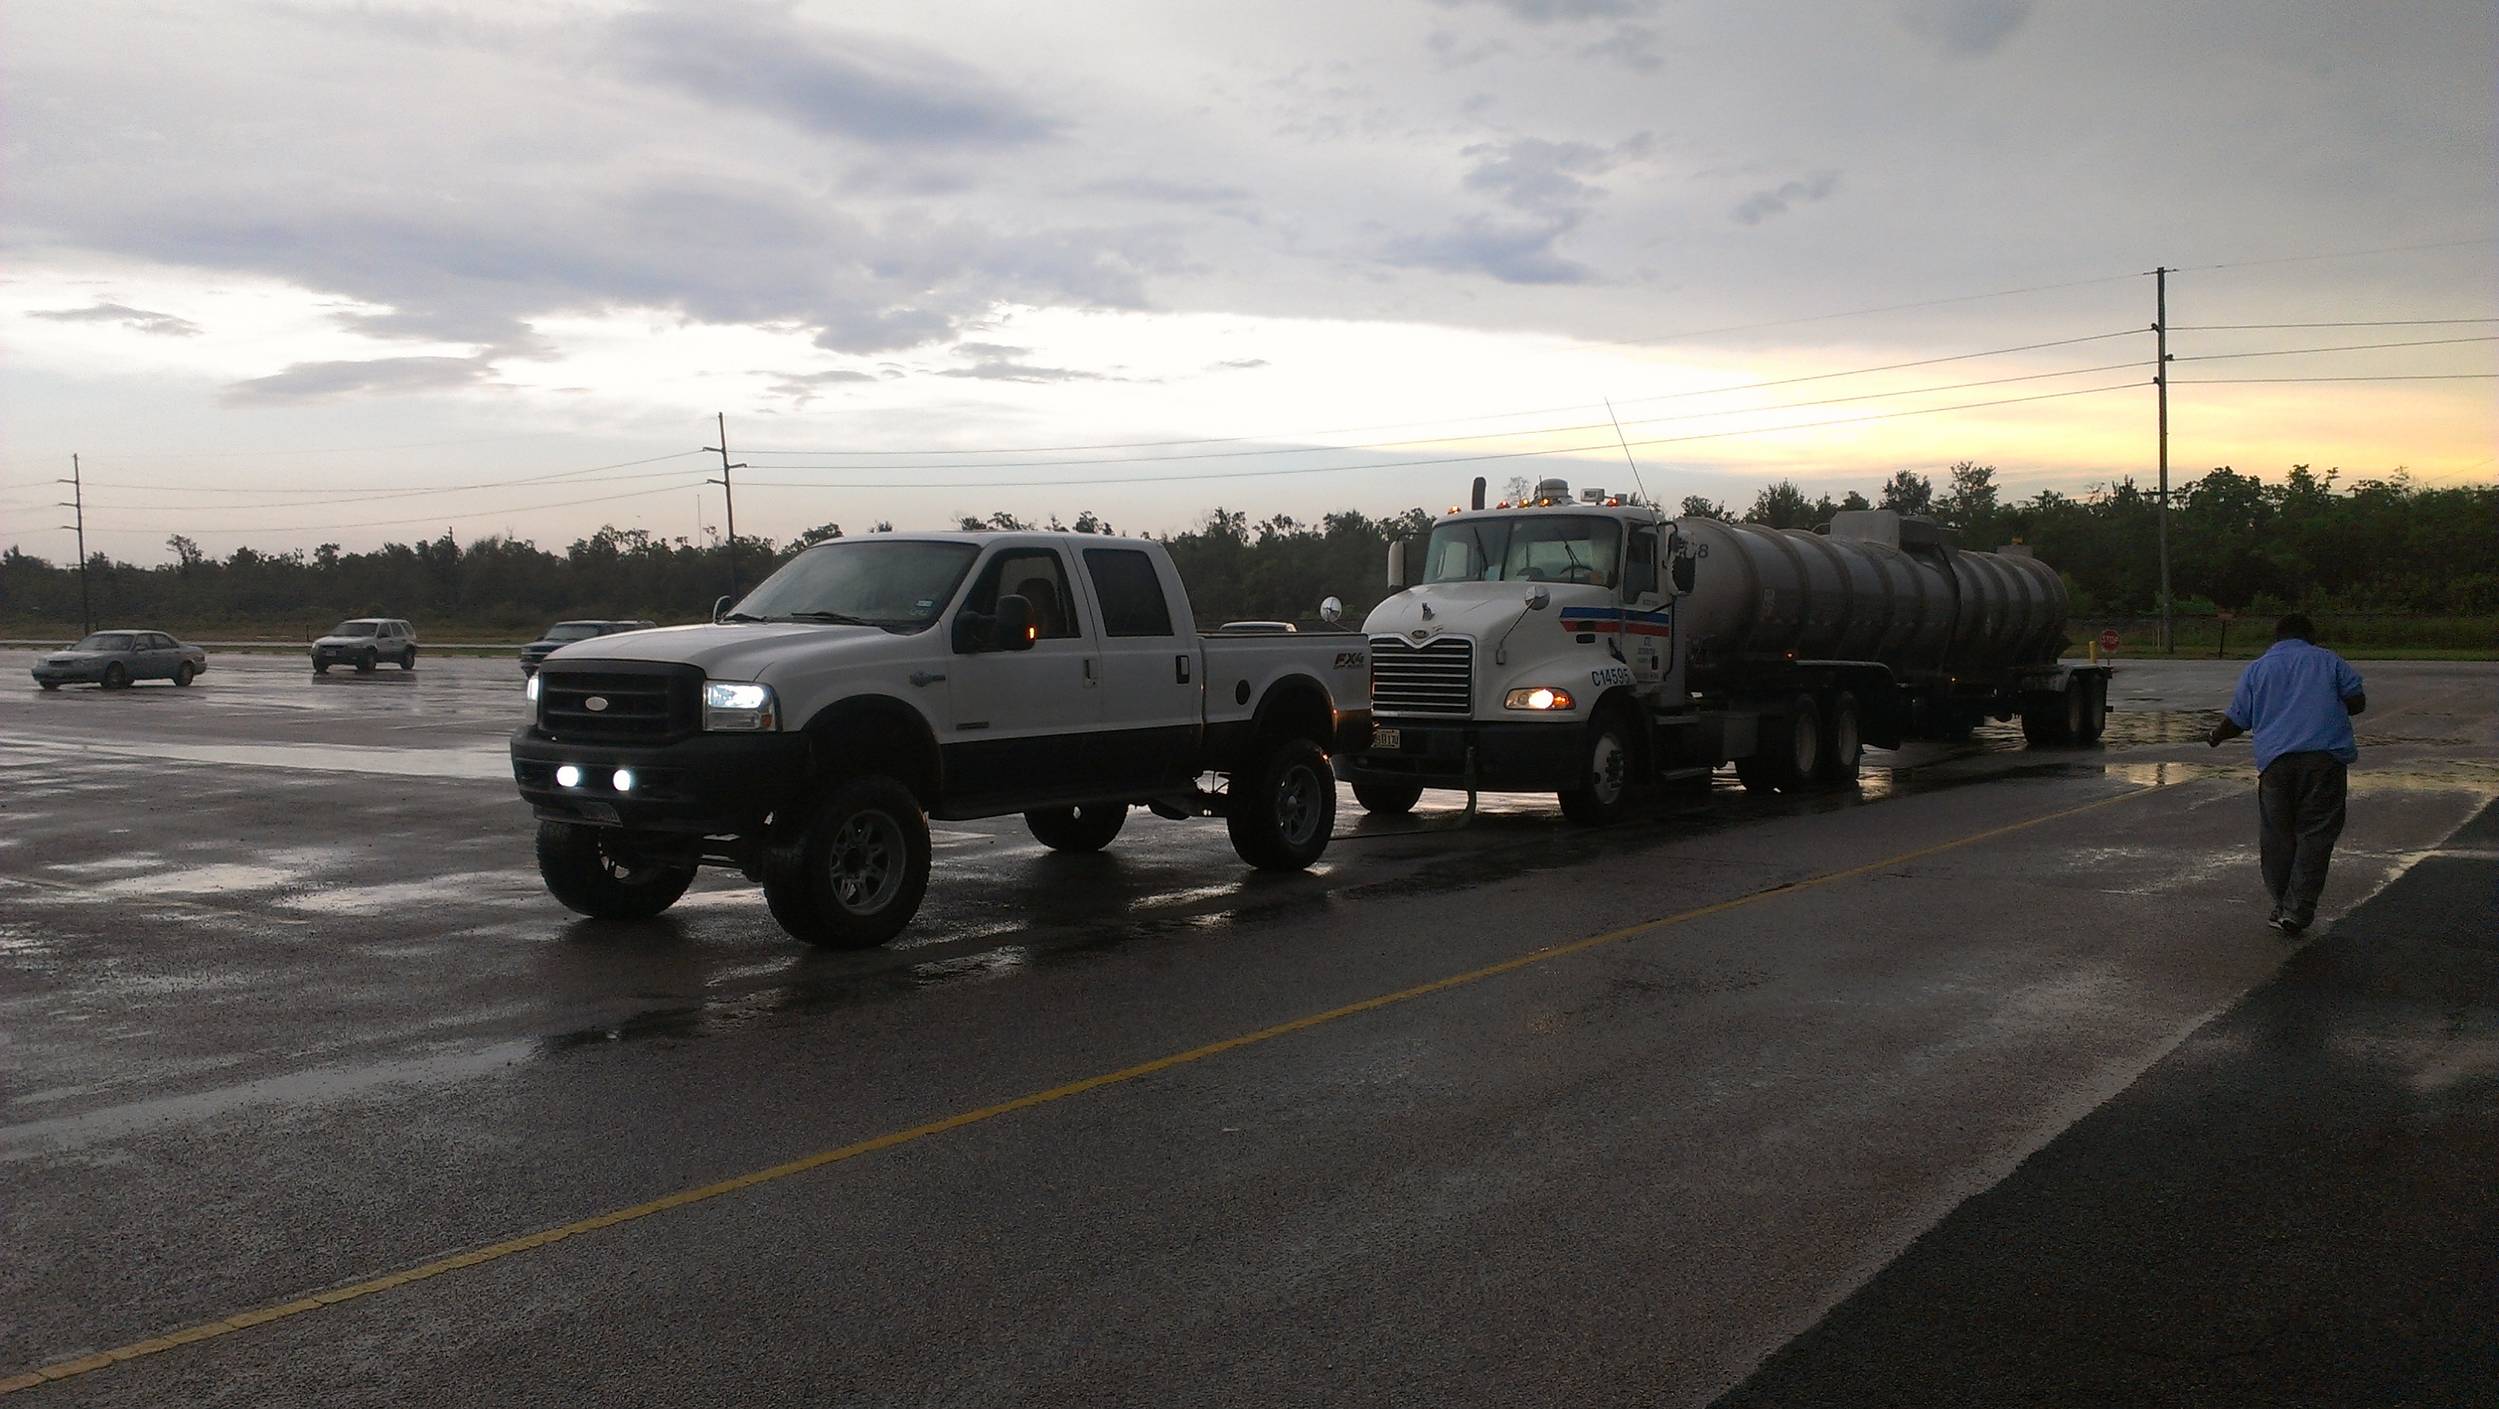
1297, 805
866, 861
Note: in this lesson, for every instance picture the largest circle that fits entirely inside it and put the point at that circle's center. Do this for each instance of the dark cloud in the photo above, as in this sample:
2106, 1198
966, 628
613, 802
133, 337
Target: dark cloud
1513, 253
1966, 28
316, 381
162, 324
804, 387
1762, 205
881, 330
835, 82
1551, 11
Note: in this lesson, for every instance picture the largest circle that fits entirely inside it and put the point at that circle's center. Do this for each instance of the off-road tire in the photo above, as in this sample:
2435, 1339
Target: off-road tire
851, 870
1388, 799
1079, 829
1282, 807
587, 870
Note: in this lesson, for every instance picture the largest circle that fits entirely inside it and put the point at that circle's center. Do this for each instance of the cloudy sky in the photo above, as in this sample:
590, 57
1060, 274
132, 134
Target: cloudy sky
295, 271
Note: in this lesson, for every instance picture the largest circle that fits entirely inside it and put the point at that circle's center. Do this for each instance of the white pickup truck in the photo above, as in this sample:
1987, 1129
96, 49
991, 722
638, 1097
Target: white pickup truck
806, 736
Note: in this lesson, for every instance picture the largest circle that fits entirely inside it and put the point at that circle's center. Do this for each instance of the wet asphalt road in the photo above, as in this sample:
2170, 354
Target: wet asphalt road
285, 1011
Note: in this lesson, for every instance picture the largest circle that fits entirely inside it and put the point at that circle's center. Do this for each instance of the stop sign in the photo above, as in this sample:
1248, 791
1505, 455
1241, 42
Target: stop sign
2108, 640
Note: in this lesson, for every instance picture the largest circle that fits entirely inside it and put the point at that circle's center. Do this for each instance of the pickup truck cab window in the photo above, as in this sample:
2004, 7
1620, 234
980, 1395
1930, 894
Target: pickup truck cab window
1130, 591
1036, 575
898, 584
1536, 548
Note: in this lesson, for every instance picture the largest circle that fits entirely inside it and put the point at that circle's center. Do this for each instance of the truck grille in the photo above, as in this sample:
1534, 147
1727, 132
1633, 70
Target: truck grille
635, 703
1437, 677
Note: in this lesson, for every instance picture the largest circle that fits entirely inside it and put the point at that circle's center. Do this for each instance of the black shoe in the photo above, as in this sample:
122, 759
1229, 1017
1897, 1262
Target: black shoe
2286, 924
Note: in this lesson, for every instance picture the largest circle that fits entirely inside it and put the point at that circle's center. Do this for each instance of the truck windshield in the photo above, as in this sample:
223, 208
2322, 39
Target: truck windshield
899, 584
1536, 548
572, 631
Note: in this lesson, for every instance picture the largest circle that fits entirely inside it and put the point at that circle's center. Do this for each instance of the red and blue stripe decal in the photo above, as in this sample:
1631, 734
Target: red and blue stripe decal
1623, 621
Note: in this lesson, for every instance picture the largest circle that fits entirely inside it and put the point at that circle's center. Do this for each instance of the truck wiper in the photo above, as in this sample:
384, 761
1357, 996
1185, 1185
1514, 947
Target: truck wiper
744, 616
835, 618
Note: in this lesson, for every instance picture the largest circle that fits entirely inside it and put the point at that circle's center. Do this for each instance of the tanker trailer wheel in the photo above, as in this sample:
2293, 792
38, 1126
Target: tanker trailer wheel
2047, 720
1788, 756
1844, 744
1604, 791
2095, 712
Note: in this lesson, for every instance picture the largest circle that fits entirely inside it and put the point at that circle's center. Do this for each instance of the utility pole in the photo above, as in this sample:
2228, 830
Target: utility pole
78, 504
728, 492
2160, 383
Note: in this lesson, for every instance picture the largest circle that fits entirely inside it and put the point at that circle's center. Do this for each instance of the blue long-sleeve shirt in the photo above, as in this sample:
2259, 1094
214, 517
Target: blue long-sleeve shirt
2290, 700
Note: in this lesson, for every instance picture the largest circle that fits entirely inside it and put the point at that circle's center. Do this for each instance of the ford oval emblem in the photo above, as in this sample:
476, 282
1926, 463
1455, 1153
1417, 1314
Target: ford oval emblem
595, 703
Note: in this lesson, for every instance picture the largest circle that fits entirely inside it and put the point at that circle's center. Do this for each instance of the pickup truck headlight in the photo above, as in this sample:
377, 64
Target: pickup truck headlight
1538, 697
732, 706
531, 689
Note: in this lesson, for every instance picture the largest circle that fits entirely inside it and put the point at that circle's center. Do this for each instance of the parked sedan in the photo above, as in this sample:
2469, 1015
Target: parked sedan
564, 633
114, 659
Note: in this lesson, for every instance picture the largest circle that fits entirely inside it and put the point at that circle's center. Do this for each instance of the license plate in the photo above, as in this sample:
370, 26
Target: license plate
1386, 739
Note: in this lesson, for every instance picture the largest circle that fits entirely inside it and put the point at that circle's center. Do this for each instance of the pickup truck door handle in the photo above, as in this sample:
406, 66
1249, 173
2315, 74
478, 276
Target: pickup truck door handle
1090, 682
1180, 670
927, 677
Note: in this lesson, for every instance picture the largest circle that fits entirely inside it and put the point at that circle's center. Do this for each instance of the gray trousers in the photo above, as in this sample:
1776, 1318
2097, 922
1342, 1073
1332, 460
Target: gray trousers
2300, 803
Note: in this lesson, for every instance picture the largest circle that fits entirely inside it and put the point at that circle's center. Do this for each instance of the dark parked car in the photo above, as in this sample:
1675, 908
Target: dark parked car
566, 632
113, 659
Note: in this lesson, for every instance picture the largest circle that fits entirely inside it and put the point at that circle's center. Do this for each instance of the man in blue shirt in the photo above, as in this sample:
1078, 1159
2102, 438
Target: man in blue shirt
2297, 699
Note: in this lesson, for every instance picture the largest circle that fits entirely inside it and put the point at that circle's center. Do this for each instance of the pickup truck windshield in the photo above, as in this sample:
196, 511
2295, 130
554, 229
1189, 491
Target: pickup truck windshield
894, 583
1541, 548
572, 631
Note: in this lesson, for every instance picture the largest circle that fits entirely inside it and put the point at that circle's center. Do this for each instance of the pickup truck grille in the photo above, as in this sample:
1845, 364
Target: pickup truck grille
620, 702
1437, 677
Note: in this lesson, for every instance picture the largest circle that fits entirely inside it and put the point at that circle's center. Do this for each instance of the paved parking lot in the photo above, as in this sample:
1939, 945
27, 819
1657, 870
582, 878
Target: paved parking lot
1509, 1113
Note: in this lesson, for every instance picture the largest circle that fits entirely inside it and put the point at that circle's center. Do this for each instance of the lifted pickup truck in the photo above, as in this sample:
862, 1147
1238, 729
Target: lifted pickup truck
807, 736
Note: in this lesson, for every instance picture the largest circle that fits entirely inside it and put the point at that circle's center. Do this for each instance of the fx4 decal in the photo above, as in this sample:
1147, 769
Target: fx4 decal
1349, 660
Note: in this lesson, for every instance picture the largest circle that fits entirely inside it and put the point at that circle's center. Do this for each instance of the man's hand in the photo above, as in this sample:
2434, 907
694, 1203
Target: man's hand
2222, 733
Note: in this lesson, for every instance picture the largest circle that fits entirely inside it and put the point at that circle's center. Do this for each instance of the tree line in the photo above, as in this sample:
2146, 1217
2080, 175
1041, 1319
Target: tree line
2304, 541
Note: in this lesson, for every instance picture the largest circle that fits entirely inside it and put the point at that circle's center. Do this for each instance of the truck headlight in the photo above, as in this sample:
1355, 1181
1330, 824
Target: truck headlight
531, 689
732, 706
1538, 697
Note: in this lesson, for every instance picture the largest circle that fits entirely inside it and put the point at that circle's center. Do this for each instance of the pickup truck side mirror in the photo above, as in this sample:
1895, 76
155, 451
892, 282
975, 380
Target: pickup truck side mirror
720, 608
1016, 628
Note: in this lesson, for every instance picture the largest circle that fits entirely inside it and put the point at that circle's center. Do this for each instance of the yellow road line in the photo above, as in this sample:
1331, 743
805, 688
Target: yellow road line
494, 1252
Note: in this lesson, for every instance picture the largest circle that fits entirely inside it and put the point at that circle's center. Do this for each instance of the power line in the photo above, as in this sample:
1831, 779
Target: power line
330, 449
2381, 323
2341, 254
400, 493
1863, 312
427, 519
2409, 377
1463, 420
1441, 460
2347, 347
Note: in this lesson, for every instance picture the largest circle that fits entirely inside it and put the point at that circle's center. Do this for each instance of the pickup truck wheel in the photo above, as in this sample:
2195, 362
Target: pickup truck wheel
588, 870
1388, 799
1283, 807
856, 869
1604, 792
1843, 741
1077, 828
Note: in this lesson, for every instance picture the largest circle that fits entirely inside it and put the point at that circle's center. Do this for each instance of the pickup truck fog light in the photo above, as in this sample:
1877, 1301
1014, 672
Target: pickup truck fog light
734, 706
622, 780
1538, 697
568, 777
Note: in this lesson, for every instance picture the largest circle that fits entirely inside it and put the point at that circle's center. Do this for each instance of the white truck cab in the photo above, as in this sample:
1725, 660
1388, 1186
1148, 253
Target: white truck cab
806, 735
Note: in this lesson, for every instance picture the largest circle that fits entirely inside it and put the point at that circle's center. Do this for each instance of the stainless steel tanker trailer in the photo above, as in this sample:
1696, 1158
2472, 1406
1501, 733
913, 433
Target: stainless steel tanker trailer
1587, 647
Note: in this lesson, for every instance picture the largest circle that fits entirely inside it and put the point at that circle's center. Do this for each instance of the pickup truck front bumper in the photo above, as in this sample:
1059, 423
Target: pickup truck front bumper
1515, 758
703, 785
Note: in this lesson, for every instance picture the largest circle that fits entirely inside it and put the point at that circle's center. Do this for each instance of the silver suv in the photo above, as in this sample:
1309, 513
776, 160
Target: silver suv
364, 643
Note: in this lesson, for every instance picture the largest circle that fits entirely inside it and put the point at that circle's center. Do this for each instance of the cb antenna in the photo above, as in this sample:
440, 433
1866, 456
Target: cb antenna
1626, 444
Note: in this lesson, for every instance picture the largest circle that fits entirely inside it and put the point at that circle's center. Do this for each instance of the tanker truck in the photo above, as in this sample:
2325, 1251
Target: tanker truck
1588, 647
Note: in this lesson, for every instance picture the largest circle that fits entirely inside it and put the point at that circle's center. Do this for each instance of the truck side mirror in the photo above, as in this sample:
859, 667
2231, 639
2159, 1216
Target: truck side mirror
1332, 611
720, 608
1016, 630
1405, 563
1683, 571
